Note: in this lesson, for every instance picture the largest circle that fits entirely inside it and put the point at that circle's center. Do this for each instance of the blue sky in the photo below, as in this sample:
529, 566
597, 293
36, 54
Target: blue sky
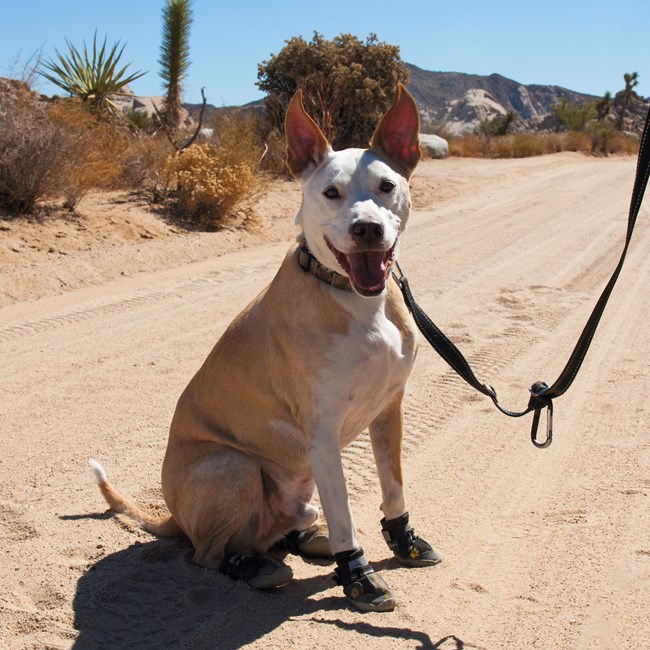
584, 46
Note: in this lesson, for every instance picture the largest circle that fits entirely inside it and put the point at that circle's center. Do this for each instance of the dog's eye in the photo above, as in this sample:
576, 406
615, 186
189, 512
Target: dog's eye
331, 193
387, 186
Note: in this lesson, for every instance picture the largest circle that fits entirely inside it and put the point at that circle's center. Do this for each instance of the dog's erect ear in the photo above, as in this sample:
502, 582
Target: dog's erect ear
306, 144
396, 136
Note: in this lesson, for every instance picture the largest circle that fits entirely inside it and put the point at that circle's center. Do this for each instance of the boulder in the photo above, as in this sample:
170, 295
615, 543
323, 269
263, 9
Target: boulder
434, 146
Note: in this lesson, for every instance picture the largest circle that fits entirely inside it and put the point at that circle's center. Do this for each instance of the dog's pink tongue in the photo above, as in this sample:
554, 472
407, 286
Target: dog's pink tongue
368, 270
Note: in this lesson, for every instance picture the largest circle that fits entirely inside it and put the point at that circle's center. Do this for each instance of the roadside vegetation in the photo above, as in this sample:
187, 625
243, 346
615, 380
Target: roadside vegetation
53, 151
595, 129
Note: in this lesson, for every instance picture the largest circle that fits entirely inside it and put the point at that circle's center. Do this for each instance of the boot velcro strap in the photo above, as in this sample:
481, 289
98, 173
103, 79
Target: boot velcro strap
399, 536
353, 570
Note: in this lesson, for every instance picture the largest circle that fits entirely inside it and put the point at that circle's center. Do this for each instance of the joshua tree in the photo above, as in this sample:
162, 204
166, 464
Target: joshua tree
91, 78
174, 58
631, 80
604, 106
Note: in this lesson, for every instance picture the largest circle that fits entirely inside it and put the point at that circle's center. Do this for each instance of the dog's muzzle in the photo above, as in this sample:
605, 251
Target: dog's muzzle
368, 270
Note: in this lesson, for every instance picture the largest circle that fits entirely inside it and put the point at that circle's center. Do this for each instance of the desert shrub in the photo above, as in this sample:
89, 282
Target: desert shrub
34, 152
467, 146
576, 141
606, 139
61, 149
144, 163
274, 158
92, 76
498, 125
597, 139
572, 117
238, 136
209, 183
96, 147
348, 83
106, 155
139, 120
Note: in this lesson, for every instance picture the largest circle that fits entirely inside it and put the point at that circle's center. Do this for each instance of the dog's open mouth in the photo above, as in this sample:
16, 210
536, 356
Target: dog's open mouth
368, 270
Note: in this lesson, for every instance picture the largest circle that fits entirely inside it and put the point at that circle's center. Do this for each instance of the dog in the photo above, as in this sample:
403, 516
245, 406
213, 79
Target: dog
321, 355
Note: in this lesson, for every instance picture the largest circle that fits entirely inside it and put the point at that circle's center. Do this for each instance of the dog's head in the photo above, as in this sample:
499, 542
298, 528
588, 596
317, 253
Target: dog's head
356, 202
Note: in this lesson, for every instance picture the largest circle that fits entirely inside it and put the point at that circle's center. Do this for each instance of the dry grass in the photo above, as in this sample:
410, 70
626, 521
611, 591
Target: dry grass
107, 156
594, 141
60, 150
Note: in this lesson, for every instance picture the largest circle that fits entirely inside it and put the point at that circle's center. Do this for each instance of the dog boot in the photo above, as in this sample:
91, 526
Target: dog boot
313, 542
364, 588
261, 572
407, 547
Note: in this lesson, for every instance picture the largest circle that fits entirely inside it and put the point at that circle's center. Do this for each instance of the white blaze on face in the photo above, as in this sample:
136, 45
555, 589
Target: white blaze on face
349, 187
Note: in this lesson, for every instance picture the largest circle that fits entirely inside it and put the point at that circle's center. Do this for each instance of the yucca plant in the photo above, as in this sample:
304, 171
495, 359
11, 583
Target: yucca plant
174, 58
91, 78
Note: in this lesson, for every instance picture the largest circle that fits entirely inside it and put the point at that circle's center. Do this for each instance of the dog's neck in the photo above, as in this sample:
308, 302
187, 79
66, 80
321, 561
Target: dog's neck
310, 264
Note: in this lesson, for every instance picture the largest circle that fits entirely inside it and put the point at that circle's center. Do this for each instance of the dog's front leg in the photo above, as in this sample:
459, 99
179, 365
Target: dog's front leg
364, 588
386, 437
327, 469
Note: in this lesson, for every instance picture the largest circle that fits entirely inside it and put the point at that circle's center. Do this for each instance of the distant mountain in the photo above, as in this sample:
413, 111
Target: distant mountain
456, 103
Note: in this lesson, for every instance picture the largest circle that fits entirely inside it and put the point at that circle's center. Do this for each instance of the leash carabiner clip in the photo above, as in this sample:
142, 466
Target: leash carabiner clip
537, 393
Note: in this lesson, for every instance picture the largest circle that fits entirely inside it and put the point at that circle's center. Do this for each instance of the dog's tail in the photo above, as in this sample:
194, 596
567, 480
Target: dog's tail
161, 527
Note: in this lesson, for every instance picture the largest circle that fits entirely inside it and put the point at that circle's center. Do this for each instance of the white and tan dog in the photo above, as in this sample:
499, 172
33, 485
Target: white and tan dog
322, 354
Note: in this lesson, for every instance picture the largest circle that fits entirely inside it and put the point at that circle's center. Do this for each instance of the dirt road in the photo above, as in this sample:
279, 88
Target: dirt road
542, 549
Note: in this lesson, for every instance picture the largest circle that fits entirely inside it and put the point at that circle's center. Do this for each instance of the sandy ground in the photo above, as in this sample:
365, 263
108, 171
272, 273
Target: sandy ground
106, 315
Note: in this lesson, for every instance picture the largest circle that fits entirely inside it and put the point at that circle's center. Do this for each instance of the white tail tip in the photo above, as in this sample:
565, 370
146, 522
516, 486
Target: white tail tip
100, 473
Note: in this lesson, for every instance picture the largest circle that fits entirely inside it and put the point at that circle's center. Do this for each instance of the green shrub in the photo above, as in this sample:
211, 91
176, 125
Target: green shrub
572, 117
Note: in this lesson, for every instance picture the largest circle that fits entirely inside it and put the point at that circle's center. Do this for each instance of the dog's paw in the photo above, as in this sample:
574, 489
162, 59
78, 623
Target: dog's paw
409, 549
261, 572
313, 542
364, 588
370, 594
421, 553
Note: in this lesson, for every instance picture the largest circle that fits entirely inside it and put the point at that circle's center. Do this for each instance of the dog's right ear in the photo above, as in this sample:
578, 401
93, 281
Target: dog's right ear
306, 144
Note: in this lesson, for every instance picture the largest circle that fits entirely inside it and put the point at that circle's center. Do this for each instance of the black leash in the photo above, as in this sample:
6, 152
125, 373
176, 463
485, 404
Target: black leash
541, 394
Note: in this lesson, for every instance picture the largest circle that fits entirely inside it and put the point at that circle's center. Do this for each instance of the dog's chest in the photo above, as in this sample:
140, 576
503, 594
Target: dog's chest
366, 369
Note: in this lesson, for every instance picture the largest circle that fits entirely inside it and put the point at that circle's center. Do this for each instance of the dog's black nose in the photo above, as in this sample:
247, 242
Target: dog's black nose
367, 232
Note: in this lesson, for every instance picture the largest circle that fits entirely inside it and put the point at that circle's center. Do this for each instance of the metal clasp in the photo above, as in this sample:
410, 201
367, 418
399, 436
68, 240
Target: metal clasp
537, 391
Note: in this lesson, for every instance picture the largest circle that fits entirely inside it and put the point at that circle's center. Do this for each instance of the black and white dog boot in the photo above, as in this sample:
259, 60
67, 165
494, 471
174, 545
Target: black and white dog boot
364, 588
407, 547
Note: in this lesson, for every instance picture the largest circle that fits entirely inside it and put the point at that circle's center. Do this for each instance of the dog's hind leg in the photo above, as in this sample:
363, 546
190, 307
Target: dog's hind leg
218, 502
386, 437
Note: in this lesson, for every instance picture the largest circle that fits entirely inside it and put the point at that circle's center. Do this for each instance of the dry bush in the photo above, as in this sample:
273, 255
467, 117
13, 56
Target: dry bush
605, 139
592, 141
238, 138
107, 155
209, 185
576, 141
96, 147
144, 164
467, 146
275, 156
34, 154
211, 180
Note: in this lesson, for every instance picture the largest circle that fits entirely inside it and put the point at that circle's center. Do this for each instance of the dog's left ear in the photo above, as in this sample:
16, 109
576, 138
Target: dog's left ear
397, 135
306, 144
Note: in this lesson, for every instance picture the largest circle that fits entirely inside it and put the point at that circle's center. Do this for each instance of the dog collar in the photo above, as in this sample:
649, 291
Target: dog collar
310, 264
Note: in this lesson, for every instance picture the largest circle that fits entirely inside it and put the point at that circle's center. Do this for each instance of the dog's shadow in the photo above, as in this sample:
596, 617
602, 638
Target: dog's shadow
151, 596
